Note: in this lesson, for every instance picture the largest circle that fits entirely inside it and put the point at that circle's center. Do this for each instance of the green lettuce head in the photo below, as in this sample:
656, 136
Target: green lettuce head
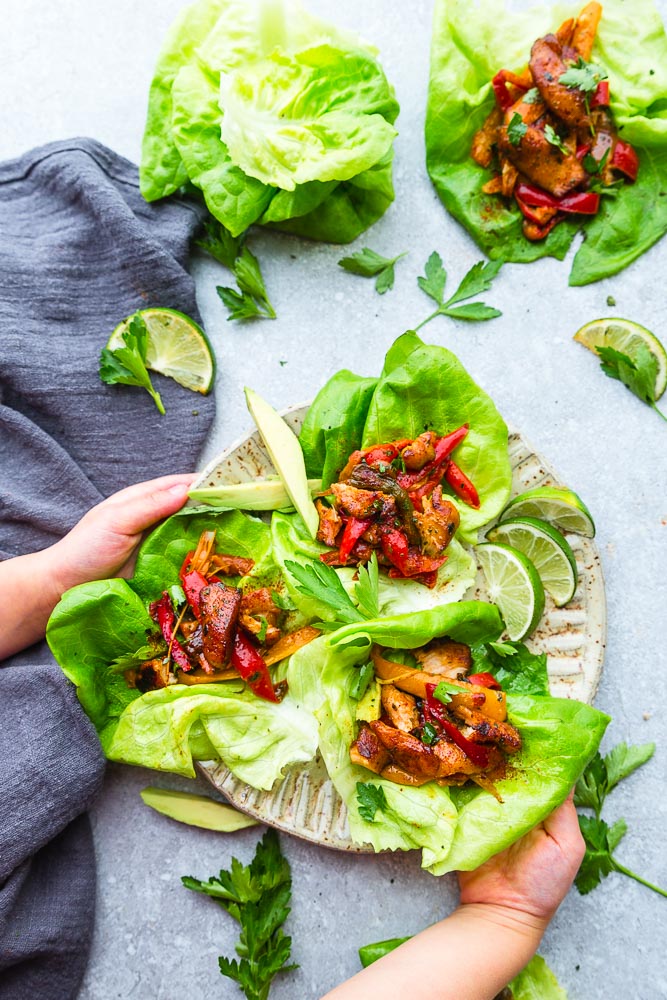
456, 828
471, 42
278, 118
168, 729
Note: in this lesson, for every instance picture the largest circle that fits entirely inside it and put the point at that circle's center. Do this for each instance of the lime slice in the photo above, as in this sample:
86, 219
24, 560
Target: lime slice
514, 585
177, 347
624, 335
560, 507
548, 551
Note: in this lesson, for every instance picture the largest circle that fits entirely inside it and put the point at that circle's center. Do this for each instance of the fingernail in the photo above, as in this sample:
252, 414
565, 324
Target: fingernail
179, 490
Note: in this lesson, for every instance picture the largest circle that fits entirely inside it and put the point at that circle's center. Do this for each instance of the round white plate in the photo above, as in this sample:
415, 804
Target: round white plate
305, 803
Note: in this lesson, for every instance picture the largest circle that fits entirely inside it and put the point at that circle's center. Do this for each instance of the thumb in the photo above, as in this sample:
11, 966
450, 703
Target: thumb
136, 508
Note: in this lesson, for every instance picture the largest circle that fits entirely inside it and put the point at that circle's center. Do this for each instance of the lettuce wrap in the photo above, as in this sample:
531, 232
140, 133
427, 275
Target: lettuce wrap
456, 828
422, 387
470, 44
170, 728
276, 117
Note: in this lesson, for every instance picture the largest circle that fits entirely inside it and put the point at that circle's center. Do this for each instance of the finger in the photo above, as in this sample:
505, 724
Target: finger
563, 827
137, 507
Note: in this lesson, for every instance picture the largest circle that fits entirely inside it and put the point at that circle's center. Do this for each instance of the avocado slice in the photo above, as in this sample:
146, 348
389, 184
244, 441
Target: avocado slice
285, 453
369, 708
196, 810
258, 494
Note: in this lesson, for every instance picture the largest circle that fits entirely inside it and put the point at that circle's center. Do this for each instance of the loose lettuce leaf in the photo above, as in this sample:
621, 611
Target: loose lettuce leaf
312, 117
470, 44
560, 737
517, 670
537, 982
431, 390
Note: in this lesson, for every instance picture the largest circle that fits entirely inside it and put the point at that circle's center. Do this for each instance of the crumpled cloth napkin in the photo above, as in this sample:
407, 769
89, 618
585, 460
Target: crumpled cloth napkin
79, 250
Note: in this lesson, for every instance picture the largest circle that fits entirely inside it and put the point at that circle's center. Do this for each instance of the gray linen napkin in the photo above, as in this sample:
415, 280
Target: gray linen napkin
79, 250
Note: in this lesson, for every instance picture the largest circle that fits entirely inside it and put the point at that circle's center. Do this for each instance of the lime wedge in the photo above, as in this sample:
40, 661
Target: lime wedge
285, 452
514, 585
548, 551
177, 347
196, 810
560, 507
624, 335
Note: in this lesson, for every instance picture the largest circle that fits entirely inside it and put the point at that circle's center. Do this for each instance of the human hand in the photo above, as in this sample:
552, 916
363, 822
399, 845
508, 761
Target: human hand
104, 541
531, 877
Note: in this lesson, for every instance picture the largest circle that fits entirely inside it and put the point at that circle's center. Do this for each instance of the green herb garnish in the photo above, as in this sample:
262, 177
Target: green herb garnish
370, 799
638, 373
532, 96
370, 264
477, 280
429, 734
583, 76
554, 139
516, 129
127, 365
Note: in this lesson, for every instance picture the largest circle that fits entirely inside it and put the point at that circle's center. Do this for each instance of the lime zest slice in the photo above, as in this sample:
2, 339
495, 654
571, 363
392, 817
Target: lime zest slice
625, 335
548, 551
285, 452
561, 507
514, 585
177, 347
258, 494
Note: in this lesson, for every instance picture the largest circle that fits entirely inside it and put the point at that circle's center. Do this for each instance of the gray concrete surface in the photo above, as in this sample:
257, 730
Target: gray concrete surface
83, 68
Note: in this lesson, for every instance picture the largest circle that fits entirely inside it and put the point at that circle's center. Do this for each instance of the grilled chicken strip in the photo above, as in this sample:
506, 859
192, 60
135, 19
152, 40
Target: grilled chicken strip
420, 451
438, 523
368, 751
482, 729
330, 523
444, 657
547, 66
543, 164
400, 708
220, 606
362, 503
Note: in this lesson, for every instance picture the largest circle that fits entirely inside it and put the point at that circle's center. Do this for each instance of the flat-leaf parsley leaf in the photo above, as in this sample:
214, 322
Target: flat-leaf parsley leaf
370, 264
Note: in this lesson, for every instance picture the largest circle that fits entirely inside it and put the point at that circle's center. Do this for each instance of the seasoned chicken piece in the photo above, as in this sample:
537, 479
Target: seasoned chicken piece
547, 66
484, 140
420, 451
330, 523
360, 503
408, 752
230, 565
352, 463
508, 179
482, 729
444, 657
453, 761
219, 614
259, 602
542, 163
438, 524
150, 675
401, 708
392, 772
194, 645
368, 751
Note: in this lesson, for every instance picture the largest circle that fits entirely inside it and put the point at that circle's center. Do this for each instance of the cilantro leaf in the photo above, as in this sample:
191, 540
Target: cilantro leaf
366, 589
593, 166
583, 76
435, 278
478, 279
445, 691
257, 896
591, 788
263, 628
241, 305
219, 243
127, 365
249, 279
532, 96
622, 760
517, 670
321, 582
597, 863
429, 734
370, 264
554, 139
370, 799
516, 129
638, 374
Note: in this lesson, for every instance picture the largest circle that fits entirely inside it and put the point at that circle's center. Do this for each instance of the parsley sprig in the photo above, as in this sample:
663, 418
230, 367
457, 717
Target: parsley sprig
370, 264
584, 76
322, 583
516, 129
601, 776
257, 896
476, 281
370, 800
638, 373
250, 299
127, 365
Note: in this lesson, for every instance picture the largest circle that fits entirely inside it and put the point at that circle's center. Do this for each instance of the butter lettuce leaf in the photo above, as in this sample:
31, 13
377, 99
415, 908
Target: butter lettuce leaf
469, 45
537, 982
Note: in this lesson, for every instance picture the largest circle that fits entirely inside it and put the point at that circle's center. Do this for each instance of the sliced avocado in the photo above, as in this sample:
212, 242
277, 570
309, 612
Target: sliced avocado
285, 453
196, 810
259, 494
369, 708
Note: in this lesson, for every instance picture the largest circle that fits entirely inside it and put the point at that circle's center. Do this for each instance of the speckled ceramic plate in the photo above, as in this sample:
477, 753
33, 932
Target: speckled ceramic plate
306, 804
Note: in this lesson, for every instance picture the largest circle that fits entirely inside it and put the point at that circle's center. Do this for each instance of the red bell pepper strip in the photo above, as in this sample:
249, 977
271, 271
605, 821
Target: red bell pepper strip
583, 151
434, 712
384, 453
625, 159
446, 445
162, 612
193, 584
353, 531
409, 562
485, 680
252, 668
600, 98
443, 449
461, 485
533, 214
581, 203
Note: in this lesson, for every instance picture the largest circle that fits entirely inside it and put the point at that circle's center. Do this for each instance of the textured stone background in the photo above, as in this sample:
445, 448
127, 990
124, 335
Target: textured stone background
82, 68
